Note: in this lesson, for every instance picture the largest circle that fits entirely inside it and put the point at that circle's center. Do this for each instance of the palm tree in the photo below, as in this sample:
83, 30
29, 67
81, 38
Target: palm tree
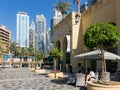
39, 57
30, 50
26, 53
78, 4
19, 52
11, 48
63, 7
34, 54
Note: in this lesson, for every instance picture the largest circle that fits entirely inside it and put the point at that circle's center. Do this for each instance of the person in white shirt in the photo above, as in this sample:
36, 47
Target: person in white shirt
90, 76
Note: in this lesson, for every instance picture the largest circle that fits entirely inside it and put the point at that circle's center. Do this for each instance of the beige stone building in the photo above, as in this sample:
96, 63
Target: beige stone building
102, 11
5, 37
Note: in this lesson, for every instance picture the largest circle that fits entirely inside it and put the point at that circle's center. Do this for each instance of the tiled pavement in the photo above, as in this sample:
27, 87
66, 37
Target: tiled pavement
23, 79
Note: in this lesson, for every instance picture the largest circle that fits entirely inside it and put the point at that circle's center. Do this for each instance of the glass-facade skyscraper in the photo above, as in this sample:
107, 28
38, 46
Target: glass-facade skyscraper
22, 34
32, 35
40, 31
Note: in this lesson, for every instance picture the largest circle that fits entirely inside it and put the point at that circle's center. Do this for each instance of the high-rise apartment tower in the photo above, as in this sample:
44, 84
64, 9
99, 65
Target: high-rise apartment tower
32, 35
40, 31
22, 36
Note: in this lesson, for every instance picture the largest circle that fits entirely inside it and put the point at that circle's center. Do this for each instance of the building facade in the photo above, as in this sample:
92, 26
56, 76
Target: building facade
55, 20
22, 34
5, 37
48, 42
32, 35
65, 40
40, 43
102, 11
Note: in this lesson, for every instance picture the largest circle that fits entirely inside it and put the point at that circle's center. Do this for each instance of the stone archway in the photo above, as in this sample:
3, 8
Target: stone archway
58, 45
66, 52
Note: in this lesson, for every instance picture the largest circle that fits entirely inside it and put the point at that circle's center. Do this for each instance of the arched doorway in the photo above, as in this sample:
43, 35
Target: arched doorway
66, 52
58, 45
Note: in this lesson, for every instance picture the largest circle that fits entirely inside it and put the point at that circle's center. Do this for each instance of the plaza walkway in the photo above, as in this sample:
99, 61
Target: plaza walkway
23, 79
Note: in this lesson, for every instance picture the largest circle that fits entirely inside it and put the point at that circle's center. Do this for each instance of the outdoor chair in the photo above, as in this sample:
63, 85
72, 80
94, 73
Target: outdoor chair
71, 79
117, 76
96, 77
106, 76
80, 79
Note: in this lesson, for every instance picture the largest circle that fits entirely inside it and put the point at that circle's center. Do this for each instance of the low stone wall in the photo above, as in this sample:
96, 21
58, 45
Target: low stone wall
40, 71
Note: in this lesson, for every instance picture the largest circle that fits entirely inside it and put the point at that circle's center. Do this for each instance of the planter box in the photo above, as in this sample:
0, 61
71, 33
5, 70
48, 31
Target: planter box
55, 75
94, 86
31, 69
40, 71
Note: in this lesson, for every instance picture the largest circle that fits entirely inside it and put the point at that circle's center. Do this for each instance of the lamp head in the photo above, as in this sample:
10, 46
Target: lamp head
77, 18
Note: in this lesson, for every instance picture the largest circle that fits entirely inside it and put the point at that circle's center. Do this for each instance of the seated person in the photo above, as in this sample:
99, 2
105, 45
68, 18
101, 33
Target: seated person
90, 76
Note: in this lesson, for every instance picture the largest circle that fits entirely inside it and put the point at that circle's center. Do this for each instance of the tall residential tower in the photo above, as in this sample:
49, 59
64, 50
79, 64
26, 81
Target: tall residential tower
22, 36
32, 35
40, 33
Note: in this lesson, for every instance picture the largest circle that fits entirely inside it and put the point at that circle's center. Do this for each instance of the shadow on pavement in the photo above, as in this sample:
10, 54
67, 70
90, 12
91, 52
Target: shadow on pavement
60, 80
83, 88
64, 81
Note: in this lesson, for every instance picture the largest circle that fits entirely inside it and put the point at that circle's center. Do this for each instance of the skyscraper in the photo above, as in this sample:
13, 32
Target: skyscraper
32, 35
22, 36
40, 33
48, 42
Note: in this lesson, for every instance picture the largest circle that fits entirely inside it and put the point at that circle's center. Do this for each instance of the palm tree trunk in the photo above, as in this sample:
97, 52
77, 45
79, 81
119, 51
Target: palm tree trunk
29, 62
20, 64
10, 59
35, 64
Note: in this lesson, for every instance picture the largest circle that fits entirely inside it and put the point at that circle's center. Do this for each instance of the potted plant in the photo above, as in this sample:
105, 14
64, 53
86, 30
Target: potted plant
55, 53
39, 59
102, 36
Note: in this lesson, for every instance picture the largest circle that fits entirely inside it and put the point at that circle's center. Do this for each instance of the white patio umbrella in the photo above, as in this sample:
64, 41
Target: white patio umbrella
98, 55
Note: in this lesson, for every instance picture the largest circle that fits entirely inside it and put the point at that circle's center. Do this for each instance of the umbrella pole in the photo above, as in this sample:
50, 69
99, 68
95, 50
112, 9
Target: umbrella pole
104, 65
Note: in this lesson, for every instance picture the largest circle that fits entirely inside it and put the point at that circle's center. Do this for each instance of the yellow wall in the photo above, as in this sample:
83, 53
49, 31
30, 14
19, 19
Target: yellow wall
103, 11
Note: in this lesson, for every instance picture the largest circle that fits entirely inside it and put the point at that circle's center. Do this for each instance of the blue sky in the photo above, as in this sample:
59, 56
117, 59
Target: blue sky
9, 9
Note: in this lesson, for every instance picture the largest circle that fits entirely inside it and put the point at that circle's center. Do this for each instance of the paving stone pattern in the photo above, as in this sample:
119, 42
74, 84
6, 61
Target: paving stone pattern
23, 79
